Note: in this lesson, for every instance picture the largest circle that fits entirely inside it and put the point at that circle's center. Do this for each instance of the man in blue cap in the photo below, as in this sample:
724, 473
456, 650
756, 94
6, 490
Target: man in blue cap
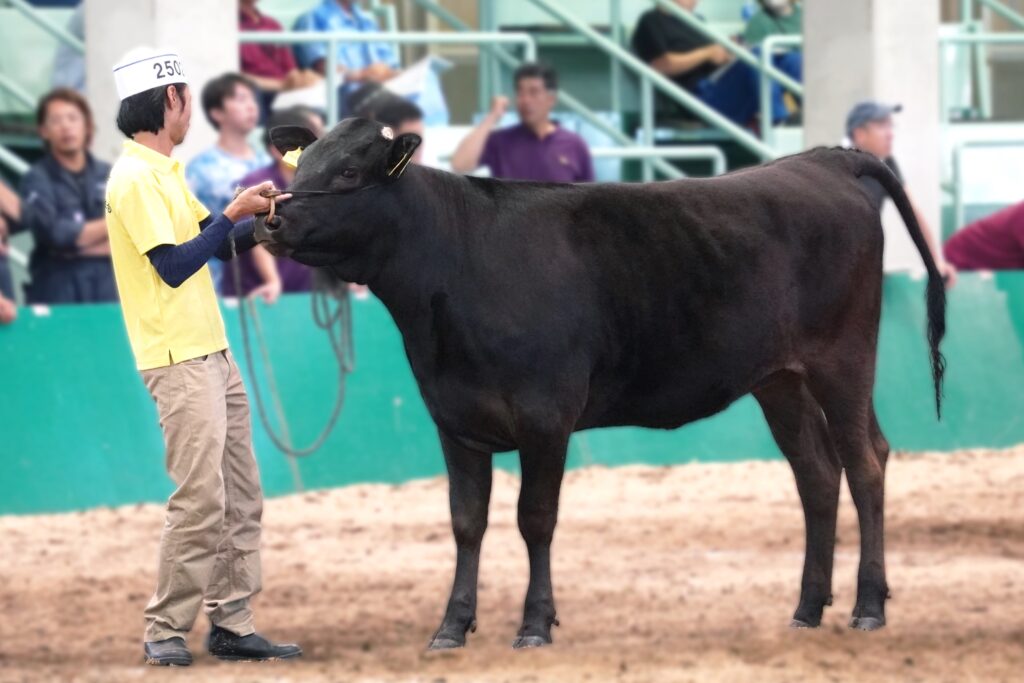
869, 127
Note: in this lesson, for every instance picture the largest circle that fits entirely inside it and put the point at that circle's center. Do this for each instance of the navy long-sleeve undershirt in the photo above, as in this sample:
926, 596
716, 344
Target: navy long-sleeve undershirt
177, 263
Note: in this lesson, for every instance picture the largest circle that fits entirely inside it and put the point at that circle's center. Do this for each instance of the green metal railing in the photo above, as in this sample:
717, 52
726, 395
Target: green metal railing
565, 98
650, 79
714, 155
332, 39
983, 82
17, 92
768, 49
958, 172
12, 161
59, 32
996, 6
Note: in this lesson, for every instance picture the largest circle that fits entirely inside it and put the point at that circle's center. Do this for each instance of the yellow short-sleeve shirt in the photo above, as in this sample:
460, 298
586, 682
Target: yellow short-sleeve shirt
149, 204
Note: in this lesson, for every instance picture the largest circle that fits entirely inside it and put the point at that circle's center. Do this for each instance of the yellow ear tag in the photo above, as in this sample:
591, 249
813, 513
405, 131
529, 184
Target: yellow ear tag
292, 157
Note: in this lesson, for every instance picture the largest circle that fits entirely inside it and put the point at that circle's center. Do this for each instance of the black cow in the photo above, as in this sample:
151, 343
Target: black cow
530, 311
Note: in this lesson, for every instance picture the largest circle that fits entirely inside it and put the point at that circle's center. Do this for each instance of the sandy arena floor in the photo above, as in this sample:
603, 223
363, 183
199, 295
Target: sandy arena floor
661, 574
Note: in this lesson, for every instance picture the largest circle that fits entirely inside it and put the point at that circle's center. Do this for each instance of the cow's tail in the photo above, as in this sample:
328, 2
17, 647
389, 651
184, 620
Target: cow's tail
870, 166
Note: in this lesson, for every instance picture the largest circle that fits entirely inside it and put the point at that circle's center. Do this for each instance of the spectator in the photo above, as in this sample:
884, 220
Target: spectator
536, 149
271, 67
229, 103
401, 115
775, 18
262, 275
869, 127
10, 211
361, 64
704, 68
64, 205
995, 242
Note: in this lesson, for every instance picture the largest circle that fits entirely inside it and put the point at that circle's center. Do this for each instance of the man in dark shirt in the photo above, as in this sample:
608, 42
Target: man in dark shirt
704, 68
63, 205
869, 127
538, 148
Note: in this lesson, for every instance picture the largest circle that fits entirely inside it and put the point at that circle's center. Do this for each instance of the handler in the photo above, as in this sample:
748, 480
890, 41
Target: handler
161, 238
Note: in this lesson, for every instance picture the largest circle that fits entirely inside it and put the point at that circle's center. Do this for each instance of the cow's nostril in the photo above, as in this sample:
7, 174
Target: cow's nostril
274, 223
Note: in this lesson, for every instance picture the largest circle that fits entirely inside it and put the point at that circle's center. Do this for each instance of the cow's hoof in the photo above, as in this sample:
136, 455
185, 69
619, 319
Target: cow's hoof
442, 643
867, 623
526, 642
800, 623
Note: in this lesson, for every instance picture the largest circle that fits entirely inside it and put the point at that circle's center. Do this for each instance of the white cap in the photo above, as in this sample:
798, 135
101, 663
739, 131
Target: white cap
145, 68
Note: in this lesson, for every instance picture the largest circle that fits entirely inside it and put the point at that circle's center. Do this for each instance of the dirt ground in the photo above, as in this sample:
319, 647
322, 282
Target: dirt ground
686, 573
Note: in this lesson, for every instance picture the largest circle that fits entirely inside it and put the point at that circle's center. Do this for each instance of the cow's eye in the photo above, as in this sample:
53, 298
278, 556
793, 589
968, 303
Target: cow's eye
349, 173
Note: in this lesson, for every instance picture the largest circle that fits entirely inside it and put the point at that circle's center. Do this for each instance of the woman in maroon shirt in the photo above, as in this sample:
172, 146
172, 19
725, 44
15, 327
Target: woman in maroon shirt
995, 242
271, 67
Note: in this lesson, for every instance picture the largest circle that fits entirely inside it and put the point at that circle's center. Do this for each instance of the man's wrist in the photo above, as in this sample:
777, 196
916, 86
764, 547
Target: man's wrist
231, 213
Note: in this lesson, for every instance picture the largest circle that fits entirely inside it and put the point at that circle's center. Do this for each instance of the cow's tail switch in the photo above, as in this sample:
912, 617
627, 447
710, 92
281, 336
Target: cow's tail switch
868, 165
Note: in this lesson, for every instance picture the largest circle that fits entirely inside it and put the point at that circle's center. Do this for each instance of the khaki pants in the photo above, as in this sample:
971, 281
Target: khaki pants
209, 550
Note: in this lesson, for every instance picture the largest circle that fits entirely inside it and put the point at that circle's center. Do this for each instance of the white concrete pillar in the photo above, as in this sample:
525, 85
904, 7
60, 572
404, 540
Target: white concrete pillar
887, 51
204, 33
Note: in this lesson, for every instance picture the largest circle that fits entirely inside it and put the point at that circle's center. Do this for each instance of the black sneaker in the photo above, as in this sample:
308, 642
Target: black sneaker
169, 652
224, 644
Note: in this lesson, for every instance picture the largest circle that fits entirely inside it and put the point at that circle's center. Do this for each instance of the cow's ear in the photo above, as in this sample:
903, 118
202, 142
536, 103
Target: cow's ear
401, 153
288, 138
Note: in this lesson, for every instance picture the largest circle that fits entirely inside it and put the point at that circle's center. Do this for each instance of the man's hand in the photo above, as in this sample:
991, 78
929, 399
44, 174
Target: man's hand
270, 292
499, 105
250, 203
718, 55
949, 273
8, 311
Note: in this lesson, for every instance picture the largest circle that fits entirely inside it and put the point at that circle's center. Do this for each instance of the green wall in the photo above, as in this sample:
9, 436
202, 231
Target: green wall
78, 430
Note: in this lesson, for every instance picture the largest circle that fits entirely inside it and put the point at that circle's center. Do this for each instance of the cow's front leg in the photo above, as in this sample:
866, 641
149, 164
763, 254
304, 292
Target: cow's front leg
543, 462
469, 492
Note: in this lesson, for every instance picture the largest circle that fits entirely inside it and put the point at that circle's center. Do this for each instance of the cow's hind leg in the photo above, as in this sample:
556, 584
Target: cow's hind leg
843, 387
543, 463
800, 430
469, 493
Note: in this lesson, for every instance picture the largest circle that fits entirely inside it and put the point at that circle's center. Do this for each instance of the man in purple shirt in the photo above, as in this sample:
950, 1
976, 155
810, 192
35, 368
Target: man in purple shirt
262, 274
536, 149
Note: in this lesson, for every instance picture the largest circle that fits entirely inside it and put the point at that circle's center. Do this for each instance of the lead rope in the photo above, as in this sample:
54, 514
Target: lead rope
335, 321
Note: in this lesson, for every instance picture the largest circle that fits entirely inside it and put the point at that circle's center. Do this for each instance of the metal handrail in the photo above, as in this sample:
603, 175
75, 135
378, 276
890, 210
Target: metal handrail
666, 86
331, 40
958, 184
13, 161
742, 53
696, 153
1006, 12
979, 40
1008, 38
17, 92
58, 32
570, 102
768, 47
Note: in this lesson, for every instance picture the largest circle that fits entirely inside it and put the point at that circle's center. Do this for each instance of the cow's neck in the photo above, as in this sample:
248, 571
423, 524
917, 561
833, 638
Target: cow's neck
436, 208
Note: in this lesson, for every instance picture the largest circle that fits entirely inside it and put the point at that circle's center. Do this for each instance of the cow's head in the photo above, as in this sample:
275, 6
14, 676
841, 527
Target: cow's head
346, 174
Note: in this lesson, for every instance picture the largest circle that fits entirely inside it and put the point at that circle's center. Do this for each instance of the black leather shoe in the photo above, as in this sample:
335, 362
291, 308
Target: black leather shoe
224, 644
169, 652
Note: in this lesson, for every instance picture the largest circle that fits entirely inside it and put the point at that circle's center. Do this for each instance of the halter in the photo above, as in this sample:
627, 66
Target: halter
272, 195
